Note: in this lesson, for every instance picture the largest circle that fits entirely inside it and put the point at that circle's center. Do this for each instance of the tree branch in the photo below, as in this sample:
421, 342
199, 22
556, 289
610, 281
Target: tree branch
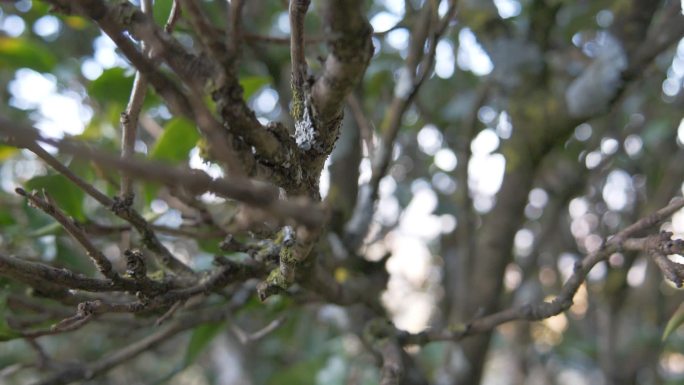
27, 137
48, 206
428, 31
563, 301
129, 118
55, 280
101, 366
257, 194
350, 51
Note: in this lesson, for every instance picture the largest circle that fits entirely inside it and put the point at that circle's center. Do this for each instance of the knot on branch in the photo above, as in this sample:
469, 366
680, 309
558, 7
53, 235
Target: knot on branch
668, 246
121, 205
86, 309
659, 247
274, 284
135, 265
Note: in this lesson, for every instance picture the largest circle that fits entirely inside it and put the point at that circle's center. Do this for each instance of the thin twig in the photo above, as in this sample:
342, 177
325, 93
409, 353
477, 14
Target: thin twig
169, 313
365, 126
427, 30
212, 42
52, 280
99, 229
234, 37
562, 301
192, 70
284, 40
129, 123
246, 338
254, 193
49, 207
44, 360
101, 366
298, 10
27, 137
129, 118
466, 233
658, 247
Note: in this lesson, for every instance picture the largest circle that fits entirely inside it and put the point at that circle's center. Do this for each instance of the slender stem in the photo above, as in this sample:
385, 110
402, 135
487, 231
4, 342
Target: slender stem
298, 10
101, 366
50, 208
129, 123
235, 30
562, 301
27, 137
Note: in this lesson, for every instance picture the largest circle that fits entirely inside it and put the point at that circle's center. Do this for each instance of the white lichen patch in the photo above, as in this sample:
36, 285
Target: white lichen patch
305, 132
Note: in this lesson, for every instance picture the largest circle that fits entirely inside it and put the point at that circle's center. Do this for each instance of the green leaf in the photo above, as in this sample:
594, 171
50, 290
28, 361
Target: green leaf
71, 258
162, 8
51, 228
67, 196
200, 339
674, 322
252, 84
6, 218
210, 245
113, 86
174, 145
18, 53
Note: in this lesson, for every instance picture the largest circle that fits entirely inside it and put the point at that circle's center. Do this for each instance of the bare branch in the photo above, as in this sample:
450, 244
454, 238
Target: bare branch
427, 30
129, 123
298, 10
192, 71
563, 301
459, 269
350, 51
105, 16
257, 194
27, 137
55, 281
254, 38
49, 207
101, 366
169, 313
658, 247
235, 31
365, 126
211, 40
668, 33
129, 118
246, 338
99, 229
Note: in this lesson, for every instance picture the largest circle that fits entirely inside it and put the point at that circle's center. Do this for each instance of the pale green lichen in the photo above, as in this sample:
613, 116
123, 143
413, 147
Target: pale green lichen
297, 110
276, 278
